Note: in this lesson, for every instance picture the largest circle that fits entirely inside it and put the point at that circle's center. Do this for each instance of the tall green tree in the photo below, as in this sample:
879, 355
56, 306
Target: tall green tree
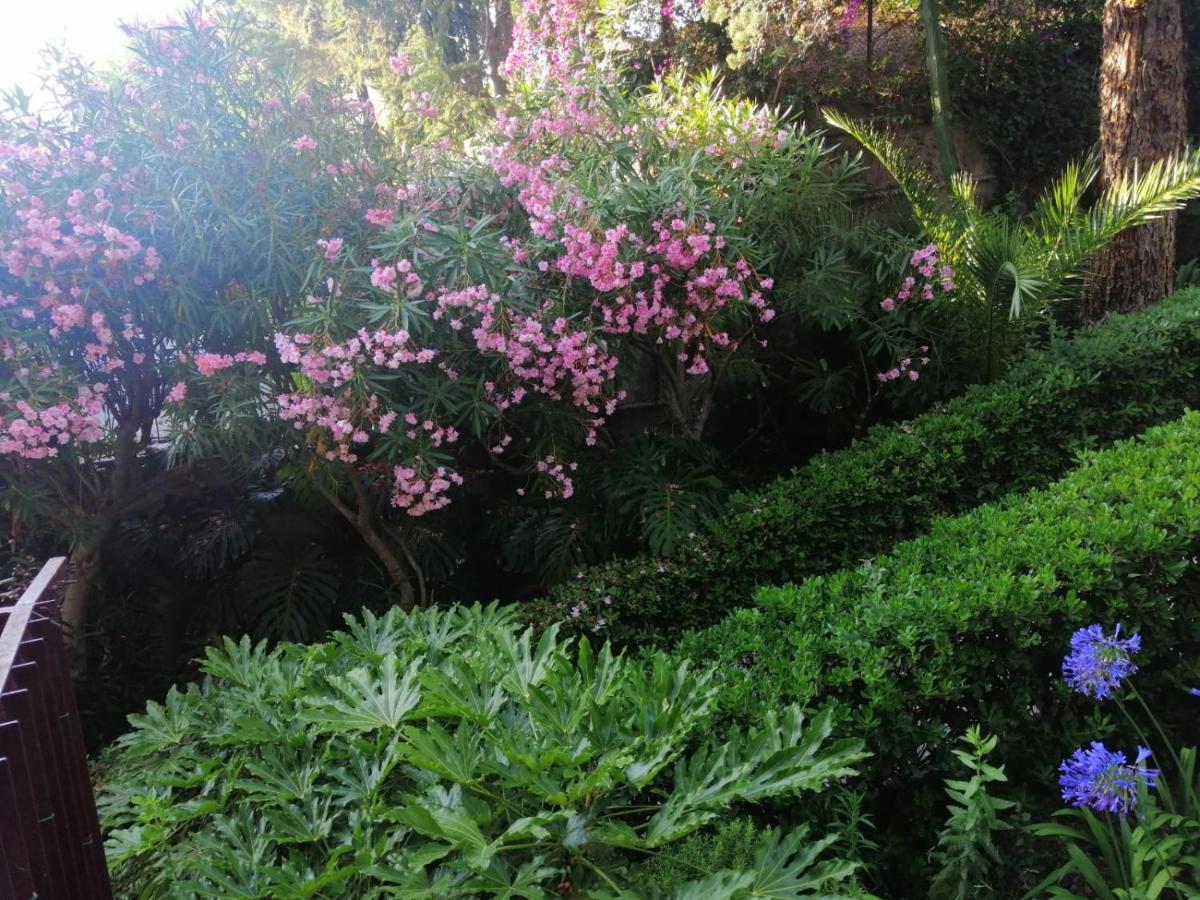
356, 37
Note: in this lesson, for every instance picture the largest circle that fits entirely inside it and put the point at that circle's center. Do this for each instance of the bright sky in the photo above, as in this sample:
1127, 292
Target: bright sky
88, 27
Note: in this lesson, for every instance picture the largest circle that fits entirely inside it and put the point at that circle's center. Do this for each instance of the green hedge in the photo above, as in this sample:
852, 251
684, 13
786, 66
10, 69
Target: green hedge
1107, 382
969, 623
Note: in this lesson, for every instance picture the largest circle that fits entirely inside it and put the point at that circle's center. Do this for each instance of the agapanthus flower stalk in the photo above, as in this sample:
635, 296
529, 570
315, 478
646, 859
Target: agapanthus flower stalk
1103, 780
1098, 663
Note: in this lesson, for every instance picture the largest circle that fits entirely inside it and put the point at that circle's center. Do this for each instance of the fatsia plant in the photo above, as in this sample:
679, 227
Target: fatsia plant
448, 754
1008, 270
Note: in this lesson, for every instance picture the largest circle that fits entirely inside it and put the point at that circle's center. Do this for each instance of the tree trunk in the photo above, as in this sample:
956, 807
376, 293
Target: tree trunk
1143, 118
85, 566
870, 35
939, 87
396, 570
360, 517
498, 43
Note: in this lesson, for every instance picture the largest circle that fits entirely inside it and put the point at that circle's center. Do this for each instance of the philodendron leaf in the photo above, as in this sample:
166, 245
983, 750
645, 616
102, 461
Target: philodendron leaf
366, 702
723, 885
499, 880
453, 826
774, 760
787, 867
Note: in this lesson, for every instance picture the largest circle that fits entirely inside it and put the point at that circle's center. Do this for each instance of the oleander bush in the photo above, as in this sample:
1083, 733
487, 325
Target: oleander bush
965, 626
450, 754
1104, 383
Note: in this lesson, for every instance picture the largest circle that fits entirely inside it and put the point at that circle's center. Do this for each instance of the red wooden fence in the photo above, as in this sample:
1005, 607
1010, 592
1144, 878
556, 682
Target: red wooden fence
50, 847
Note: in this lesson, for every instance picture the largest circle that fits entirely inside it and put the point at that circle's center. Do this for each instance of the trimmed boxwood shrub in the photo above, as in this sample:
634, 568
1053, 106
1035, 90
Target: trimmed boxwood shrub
969, 623
1105, 383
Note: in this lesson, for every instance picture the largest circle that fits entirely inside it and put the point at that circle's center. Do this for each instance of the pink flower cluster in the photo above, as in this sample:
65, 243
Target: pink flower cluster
677, 286
925, 262
529, 355
39, 434
401, 64
332, 416
335, 364
547, 36
417, 494
677, 281
208, 364
388, 277
556, 472
421, 105
908, 367
79, 268
330, 248
550, 358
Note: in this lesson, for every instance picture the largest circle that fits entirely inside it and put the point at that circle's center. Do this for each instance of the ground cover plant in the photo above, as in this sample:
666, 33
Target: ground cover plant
451, 754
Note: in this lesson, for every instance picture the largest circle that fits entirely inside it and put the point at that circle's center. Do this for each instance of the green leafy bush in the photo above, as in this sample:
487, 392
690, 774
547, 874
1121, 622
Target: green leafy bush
1107, 382
448, 754
1001, 53
967, 624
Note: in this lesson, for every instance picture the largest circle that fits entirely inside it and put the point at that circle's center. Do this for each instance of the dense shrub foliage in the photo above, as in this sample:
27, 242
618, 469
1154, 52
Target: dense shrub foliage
1105, 383
447, 754
1001, 52
327, 306
968, 623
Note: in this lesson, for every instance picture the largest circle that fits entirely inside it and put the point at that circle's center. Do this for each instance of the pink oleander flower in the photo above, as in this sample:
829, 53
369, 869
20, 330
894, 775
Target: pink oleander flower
331, 247
401, 64
380, 217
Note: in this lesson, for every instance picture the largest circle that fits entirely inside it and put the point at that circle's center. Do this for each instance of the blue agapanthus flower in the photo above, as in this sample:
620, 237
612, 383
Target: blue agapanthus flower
1099, 662
1103, 780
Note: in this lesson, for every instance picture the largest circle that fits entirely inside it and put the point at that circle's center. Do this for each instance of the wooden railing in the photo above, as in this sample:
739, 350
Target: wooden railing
50, 845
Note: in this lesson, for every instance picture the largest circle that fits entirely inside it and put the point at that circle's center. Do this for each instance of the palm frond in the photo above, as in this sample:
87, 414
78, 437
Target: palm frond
965, 189
1060, 206
1132, 200
1135, 199
915, 181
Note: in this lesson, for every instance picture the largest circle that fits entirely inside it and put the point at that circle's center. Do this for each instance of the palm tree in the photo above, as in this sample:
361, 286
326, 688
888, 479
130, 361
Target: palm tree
1010, 270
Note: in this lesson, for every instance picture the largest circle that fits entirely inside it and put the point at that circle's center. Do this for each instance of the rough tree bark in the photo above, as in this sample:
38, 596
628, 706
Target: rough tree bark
1143, 118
